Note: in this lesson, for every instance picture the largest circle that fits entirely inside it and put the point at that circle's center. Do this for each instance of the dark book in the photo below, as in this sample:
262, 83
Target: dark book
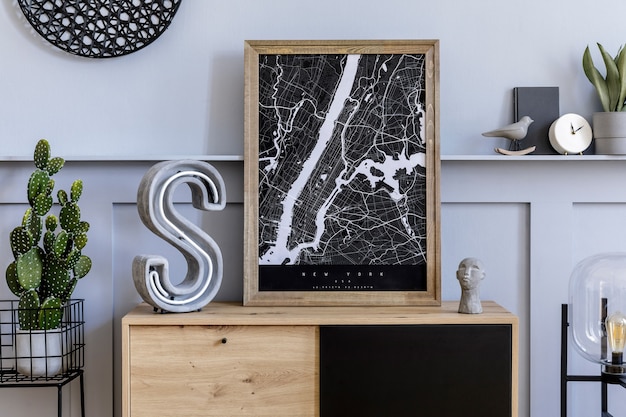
542, 105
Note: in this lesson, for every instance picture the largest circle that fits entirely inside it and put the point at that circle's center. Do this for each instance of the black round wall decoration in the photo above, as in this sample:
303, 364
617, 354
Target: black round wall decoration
99, 28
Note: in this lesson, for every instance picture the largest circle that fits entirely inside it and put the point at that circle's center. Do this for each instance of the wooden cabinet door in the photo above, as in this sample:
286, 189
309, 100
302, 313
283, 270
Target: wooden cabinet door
190, 371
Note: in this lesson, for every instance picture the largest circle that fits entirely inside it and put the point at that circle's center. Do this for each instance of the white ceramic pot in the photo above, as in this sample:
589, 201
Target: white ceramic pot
609, 133
39, 353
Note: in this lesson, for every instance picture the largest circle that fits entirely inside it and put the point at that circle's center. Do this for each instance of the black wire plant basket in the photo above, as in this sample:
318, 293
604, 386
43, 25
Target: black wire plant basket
28, 356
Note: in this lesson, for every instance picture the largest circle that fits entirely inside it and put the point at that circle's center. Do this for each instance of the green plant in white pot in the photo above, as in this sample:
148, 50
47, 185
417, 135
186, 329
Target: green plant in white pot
609, 126
48, 262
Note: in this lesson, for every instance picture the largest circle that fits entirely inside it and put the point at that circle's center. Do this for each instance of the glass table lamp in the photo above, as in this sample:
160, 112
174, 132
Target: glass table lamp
597, 310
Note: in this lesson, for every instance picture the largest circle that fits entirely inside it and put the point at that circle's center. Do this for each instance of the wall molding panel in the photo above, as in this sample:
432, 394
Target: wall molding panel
529, 220
115, 237
576, 208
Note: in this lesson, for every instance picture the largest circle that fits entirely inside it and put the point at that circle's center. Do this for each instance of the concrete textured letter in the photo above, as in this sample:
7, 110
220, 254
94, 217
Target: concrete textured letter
203, 255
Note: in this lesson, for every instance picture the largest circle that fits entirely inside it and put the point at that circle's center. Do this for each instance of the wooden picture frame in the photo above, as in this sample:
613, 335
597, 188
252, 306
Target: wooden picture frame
341, 193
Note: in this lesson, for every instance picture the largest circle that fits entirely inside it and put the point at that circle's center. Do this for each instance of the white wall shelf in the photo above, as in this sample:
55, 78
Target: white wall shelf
533, 158
132, 158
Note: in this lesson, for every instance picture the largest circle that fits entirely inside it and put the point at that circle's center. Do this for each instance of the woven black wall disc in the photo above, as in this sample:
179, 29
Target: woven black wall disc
99, 28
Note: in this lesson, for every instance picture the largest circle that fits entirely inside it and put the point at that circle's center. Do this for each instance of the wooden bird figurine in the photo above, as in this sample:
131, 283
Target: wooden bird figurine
514, 132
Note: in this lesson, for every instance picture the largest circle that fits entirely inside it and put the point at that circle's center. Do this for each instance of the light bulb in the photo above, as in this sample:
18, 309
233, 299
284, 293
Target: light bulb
616, 333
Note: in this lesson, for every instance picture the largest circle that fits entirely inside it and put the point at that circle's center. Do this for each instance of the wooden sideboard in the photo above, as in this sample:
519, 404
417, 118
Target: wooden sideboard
231, 360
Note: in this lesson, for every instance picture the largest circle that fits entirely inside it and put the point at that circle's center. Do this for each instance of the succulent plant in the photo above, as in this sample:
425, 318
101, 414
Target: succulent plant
48, 253
612, 88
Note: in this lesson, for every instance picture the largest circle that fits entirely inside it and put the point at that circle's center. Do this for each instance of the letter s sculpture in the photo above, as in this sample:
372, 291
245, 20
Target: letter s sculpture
203, 255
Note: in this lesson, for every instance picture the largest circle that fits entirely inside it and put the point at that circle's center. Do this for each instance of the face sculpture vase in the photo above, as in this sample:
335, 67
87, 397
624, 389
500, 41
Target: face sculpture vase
471, 271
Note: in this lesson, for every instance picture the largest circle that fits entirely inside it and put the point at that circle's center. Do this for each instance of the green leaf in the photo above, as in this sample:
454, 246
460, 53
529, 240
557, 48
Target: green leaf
33, 223
21, 241
37, 184
56, 278
69, 217
28, 310
43, 204
72, 259
12, 281
82, 267
612, 78
51, 222
30, 269
80, 240
596, 79
42, 154
62, 197
55, 165
83, 227
50, 313
76, 190
70, 289
28, 215
620, 62
50, 187
60, 244
48, 241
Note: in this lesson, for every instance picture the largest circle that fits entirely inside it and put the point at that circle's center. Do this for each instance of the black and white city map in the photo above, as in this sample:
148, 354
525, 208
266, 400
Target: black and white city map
342, 176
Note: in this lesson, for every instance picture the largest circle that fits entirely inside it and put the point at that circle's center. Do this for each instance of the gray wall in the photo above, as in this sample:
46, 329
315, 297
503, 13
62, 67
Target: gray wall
183, 94
530, 222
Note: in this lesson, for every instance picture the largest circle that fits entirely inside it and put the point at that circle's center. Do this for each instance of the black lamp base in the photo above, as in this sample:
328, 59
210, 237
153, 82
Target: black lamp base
613, 374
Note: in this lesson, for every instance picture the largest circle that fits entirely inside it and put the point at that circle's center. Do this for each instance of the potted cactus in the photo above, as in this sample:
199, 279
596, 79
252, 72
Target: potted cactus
48, 260
609, 126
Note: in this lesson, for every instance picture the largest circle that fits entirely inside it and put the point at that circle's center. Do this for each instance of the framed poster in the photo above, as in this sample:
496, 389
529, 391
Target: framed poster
342, 173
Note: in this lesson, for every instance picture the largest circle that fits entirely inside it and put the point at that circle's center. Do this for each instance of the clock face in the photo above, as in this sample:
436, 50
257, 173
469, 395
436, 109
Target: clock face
570, 134
99, 28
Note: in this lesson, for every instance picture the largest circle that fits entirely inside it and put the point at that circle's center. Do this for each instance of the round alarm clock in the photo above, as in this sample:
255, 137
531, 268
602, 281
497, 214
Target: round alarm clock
570, 133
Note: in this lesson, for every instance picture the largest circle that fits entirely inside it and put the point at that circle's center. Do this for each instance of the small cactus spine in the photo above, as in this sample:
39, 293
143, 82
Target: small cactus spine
44, 275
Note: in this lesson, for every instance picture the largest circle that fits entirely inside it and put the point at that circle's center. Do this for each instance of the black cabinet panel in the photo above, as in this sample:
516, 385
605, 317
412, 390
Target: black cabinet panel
421, 370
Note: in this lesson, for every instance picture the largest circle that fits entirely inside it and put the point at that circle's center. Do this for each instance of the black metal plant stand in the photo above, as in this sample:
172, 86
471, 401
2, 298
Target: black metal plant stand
18, 381
604, 379
71, 355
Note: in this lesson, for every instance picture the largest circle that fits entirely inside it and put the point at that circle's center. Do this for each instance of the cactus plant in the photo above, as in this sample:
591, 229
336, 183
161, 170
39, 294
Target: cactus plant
48, 253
